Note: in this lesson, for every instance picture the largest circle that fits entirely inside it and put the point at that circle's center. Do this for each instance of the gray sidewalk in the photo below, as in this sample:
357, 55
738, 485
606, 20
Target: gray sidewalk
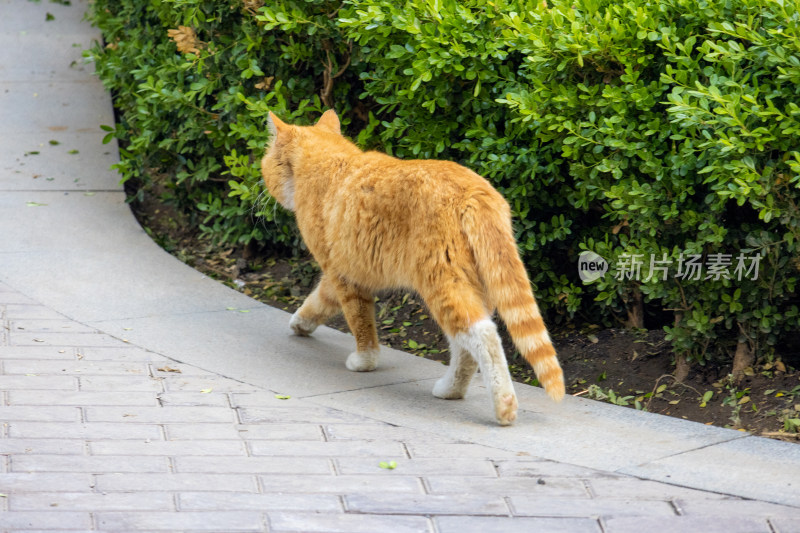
138, 396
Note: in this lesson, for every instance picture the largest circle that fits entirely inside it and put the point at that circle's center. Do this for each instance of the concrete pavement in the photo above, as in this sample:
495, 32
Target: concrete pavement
140, 395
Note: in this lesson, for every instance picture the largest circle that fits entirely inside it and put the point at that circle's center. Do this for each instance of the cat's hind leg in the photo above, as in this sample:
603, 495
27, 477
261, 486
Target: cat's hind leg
481, 339
453, 385
320, 305
462, 315
358, 306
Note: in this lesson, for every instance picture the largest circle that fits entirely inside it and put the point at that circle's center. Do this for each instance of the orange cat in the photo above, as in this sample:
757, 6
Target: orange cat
375, 222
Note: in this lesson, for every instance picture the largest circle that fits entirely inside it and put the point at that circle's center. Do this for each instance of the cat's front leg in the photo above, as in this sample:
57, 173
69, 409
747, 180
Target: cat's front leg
358, 306
319, 306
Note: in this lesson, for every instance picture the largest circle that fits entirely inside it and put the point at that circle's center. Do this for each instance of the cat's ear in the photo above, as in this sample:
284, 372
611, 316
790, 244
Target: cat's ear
329, 122
275, 125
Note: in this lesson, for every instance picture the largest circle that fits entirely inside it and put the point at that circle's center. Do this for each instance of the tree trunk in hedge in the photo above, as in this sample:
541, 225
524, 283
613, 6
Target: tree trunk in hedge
743, 358
681, 368
635, 311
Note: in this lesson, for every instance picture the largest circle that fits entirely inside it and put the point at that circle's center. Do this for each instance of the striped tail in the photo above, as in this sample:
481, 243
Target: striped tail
487, 225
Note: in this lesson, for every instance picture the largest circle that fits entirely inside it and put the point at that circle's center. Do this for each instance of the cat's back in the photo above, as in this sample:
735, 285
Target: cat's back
419, 183
388, 217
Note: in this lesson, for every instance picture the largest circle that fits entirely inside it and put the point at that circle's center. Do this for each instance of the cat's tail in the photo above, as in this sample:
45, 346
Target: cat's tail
487, 225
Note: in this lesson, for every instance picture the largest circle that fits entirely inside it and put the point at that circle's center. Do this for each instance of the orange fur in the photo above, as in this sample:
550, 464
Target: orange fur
375, 222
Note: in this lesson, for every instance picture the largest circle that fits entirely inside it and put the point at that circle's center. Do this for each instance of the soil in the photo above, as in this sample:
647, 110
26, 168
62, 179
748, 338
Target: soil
628, 367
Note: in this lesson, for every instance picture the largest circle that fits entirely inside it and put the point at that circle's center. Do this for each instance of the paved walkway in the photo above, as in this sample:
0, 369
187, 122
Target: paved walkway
138, 395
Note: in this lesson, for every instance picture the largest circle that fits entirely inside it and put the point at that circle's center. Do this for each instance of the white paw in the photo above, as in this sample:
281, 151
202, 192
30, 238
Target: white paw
446, 389
362, 361
505, 408
301, 326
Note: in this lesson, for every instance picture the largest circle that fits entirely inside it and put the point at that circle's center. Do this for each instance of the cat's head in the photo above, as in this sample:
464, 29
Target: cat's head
287, 146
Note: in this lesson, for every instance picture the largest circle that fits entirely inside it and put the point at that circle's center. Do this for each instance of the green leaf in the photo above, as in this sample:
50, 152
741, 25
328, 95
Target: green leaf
706, 398
390, 465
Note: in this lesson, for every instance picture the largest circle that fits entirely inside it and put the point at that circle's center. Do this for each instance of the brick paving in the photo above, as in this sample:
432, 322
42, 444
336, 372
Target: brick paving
98, 434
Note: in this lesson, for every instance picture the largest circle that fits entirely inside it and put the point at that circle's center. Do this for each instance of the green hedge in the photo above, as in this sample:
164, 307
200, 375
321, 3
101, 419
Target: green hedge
651, 128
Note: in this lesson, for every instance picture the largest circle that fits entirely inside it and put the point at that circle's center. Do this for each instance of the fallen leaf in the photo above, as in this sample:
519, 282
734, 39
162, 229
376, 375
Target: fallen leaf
706, 398
744, 400
780, 366
265, 84
282, 396
185, 40
593, 339
169, 369
206, 391
54, 142
391, 465
35, 204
